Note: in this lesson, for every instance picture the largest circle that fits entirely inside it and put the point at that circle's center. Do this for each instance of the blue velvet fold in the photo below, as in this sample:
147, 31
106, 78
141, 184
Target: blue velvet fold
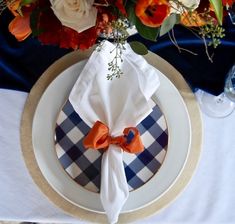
197, 70
22, 63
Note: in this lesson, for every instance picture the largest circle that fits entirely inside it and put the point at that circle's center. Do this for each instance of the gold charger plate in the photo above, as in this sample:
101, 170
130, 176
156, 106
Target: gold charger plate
28, 153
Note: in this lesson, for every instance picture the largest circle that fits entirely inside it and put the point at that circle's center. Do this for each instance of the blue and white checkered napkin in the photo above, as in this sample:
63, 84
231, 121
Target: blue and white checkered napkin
119, 104
84, 166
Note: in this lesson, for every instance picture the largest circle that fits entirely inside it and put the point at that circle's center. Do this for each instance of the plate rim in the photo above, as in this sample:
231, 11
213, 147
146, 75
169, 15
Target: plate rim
28, 154
42, 137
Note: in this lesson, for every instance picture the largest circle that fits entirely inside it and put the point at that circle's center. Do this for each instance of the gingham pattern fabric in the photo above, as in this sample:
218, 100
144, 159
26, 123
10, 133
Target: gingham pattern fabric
84, 165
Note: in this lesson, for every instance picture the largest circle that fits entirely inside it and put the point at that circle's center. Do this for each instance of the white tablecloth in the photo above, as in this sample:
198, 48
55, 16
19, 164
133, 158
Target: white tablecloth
209, 197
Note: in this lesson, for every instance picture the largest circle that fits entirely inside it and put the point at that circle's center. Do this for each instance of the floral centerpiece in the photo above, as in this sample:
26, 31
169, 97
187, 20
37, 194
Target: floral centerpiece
79, 24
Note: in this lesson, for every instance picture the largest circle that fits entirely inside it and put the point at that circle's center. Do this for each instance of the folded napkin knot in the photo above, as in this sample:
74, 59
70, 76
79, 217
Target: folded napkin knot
99, 138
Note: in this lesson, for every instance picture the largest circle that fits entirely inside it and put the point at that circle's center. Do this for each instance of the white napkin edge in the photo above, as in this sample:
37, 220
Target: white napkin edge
83, 81
113, 212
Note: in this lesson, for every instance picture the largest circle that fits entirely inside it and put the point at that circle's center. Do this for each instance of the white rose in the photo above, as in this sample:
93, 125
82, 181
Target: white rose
192, 4
79, 15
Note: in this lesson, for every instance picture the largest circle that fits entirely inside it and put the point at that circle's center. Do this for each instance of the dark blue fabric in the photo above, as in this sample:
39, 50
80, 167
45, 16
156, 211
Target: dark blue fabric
198, 71
22, 63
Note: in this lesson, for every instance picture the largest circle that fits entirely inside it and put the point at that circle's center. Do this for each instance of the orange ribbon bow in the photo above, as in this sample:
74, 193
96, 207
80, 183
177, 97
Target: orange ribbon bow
99, 138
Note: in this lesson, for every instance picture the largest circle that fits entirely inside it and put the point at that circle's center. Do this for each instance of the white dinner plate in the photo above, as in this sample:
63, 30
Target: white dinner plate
179, 130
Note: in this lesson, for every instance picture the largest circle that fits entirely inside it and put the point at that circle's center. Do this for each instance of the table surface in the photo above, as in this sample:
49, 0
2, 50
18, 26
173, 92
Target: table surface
209, 197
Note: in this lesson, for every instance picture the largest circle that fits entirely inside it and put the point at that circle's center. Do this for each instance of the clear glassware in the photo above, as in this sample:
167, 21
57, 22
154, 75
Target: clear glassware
229, 87
222, 105
231, 12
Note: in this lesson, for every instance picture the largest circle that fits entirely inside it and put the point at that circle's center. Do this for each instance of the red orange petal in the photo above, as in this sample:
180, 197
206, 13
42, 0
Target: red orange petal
20, 27
152, 13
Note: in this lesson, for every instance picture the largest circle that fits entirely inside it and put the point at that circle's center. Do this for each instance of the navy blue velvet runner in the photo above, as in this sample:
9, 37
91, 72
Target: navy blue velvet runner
22, 63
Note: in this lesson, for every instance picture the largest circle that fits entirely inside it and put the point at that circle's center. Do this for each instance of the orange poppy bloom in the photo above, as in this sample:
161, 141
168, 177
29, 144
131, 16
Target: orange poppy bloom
152, 12
20, 27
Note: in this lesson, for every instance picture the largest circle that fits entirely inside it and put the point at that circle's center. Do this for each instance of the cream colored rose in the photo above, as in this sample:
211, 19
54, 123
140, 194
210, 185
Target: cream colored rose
192, 4
79, 15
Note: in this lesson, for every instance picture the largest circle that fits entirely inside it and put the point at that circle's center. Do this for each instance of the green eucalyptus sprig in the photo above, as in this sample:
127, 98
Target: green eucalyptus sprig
3, 5
114, 68
213, 33
119, 35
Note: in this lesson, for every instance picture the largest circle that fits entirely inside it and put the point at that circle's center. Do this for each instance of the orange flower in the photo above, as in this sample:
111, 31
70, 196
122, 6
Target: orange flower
228, 2
20, 27
152, 12
13, 6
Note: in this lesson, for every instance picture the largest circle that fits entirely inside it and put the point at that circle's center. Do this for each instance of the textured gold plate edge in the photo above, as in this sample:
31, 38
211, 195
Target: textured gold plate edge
28, 153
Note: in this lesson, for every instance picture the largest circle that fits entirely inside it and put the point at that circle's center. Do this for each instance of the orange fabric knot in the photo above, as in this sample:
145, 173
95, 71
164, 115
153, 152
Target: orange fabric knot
99, 138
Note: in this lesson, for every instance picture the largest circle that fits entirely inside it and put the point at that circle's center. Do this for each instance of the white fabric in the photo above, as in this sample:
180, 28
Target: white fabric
119, 103
208, 198
20, 199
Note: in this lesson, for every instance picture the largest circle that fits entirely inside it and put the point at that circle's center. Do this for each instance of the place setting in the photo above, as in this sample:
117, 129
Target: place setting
117, 111
111, 132
71, 175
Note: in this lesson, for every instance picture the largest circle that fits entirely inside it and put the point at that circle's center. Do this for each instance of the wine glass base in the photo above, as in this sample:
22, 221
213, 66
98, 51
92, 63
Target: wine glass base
215, 106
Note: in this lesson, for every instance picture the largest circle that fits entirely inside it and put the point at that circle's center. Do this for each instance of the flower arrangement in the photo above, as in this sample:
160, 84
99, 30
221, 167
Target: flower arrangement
79, 24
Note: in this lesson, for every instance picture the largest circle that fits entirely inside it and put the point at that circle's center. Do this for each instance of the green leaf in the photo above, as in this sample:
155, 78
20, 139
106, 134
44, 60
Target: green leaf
217, 4
145, 31
169, 23
34, 17
138, 47
131, 12
27, 2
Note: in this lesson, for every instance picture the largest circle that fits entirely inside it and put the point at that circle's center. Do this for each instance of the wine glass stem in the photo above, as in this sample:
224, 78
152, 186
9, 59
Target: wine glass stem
220, 98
